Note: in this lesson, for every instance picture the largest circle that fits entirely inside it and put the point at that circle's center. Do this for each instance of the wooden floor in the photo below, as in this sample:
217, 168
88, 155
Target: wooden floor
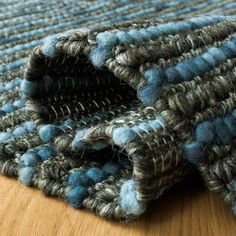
187, 209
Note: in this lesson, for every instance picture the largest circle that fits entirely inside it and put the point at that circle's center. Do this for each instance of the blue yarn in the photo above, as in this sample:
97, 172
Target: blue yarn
154, 76
9, 86
184, 72
77, 195
148, 94
222, 131
29, 158
230, 122
231, 47
183, 27
141, 127
157, 123
45, 152
151, 91
154, 31
78, 178
70, 122
218, 55
205, 132
19, 103
106, 39
78, 143
166, 29
123, 135
146, 34
123, 37
5, 136
48, 132
26, 175
17, 82
173, 75
96, 174
200, 22
20, 131
8, 107
12, 65
149, 125
29, 88
190, 65
98, 56
111, 168
201, 64
29, 126
227, 52
128, 198
194, 152
136, 35
210, 59
49, 44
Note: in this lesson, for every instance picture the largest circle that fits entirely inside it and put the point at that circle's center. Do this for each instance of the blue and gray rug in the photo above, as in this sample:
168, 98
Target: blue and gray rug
107, 104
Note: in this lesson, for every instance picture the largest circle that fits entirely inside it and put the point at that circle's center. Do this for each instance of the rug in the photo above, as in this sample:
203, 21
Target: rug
107, 104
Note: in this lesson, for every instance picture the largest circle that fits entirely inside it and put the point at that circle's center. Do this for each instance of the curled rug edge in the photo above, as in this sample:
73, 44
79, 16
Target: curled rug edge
82, 89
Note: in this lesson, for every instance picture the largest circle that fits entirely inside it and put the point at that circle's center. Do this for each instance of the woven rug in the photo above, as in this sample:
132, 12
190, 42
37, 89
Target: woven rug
107, 104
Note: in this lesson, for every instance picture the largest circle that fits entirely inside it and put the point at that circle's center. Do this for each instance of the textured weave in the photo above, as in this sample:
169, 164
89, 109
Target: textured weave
107, 104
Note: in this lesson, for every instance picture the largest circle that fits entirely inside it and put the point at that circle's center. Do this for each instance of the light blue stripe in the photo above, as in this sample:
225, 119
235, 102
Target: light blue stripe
213, 56
31, 45
108, 13
19, 47
39, 22
10, 85
224, 8
189, 9
19, 5
61, 25
14, 12
12, 65
37, 15
24, 18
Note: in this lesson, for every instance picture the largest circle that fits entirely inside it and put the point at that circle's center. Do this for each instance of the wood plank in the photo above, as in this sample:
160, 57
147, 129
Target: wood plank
187, 209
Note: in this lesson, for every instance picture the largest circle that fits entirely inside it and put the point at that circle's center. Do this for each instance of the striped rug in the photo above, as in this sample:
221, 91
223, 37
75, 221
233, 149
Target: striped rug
107, 104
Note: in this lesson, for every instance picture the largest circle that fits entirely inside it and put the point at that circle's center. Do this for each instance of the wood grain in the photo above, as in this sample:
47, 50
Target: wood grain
187, 209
